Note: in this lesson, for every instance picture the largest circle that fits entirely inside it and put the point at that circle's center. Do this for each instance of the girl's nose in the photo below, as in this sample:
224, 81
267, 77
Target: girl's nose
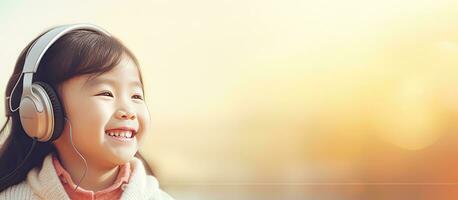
120, 114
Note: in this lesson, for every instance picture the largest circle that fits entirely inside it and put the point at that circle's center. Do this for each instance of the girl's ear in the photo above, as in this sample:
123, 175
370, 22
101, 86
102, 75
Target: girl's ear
59, 91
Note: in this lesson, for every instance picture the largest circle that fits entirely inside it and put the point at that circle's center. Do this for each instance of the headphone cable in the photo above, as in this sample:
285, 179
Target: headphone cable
85, 162
11, 95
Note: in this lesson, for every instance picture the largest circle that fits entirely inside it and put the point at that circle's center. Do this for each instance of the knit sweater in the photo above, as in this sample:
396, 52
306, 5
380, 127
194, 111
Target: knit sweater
43, 183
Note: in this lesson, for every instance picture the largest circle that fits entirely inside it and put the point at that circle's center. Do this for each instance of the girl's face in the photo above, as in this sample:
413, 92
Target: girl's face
94, 106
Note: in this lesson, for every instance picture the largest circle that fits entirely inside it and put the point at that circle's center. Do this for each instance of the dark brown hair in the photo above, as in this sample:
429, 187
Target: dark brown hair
79, 52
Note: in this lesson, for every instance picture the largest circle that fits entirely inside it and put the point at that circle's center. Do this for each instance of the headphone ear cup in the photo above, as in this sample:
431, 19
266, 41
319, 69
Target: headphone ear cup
57, 109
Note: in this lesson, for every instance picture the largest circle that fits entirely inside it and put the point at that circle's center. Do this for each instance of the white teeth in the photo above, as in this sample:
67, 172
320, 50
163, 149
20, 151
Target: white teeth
116, 133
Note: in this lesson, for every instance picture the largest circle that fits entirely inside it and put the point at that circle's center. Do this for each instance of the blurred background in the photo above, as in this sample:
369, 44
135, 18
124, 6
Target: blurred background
283, 99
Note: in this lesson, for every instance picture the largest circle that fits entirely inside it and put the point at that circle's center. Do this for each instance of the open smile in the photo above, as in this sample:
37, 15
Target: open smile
121, 134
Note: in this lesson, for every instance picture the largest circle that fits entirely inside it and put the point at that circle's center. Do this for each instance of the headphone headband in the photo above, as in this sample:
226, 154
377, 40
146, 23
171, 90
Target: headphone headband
39, 48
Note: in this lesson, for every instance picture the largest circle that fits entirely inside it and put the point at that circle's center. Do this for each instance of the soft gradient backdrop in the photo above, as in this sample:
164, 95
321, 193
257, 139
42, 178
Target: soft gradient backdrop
283, 99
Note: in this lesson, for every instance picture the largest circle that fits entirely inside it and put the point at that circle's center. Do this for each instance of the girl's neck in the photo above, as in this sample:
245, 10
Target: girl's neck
97, 178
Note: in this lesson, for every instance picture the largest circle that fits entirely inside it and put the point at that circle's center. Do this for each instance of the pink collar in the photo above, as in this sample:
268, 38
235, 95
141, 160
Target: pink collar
112, 192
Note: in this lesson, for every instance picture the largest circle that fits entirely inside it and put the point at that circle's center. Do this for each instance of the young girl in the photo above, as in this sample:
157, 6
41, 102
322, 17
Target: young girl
99, 120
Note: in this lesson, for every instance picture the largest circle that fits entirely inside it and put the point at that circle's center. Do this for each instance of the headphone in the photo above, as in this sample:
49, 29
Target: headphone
40, 110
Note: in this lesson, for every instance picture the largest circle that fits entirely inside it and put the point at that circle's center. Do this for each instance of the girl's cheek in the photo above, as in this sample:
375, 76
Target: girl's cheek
93, 114
144, 121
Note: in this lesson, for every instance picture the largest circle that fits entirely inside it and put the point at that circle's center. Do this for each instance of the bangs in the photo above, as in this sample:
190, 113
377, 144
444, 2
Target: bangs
96, 55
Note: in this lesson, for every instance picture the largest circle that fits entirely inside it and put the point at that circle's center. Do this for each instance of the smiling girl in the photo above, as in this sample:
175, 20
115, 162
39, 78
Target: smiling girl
85, 146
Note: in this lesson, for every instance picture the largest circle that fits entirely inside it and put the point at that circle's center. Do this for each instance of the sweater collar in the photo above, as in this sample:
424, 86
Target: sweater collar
69, 185
45, 182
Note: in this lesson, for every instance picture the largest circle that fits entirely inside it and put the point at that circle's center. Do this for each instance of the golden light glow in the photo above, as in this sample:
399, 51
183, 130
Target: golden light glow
408, 116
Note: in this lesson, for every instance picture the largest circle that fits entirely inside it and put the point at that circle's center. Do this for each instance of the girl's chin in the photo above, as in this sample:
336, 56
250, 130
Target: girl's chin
121, 156
119, 152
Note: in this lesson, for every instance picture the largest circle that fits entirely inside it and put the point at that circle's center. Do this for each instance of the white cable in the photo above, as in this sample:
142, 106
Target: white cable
85, 163
11, 95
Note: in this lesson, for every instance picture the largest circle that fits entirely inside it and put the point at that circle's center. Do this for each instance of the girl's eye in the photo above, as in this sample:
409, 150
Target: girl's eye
108, 94
137, 96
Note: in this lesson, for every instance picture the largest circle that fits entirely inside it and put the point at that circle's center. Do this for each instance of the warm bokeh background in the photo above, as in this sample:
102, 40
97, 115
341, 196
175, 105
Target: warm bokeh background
283, 99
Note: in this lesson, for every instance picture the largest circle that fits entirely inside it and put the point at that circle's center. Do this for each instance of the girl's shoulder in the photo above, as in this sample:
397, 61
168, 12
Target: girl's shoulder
40, 183
142, 185
160, 194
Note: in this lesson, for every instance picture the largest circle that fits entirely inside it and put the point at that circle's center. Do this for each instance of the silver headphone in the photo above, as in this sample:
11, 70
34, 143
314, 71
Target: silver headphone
40, 110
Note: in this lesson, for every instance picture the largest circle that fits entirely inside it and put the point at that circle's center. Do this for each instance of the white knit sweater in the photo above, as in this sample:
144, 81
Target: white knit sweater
45, 184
